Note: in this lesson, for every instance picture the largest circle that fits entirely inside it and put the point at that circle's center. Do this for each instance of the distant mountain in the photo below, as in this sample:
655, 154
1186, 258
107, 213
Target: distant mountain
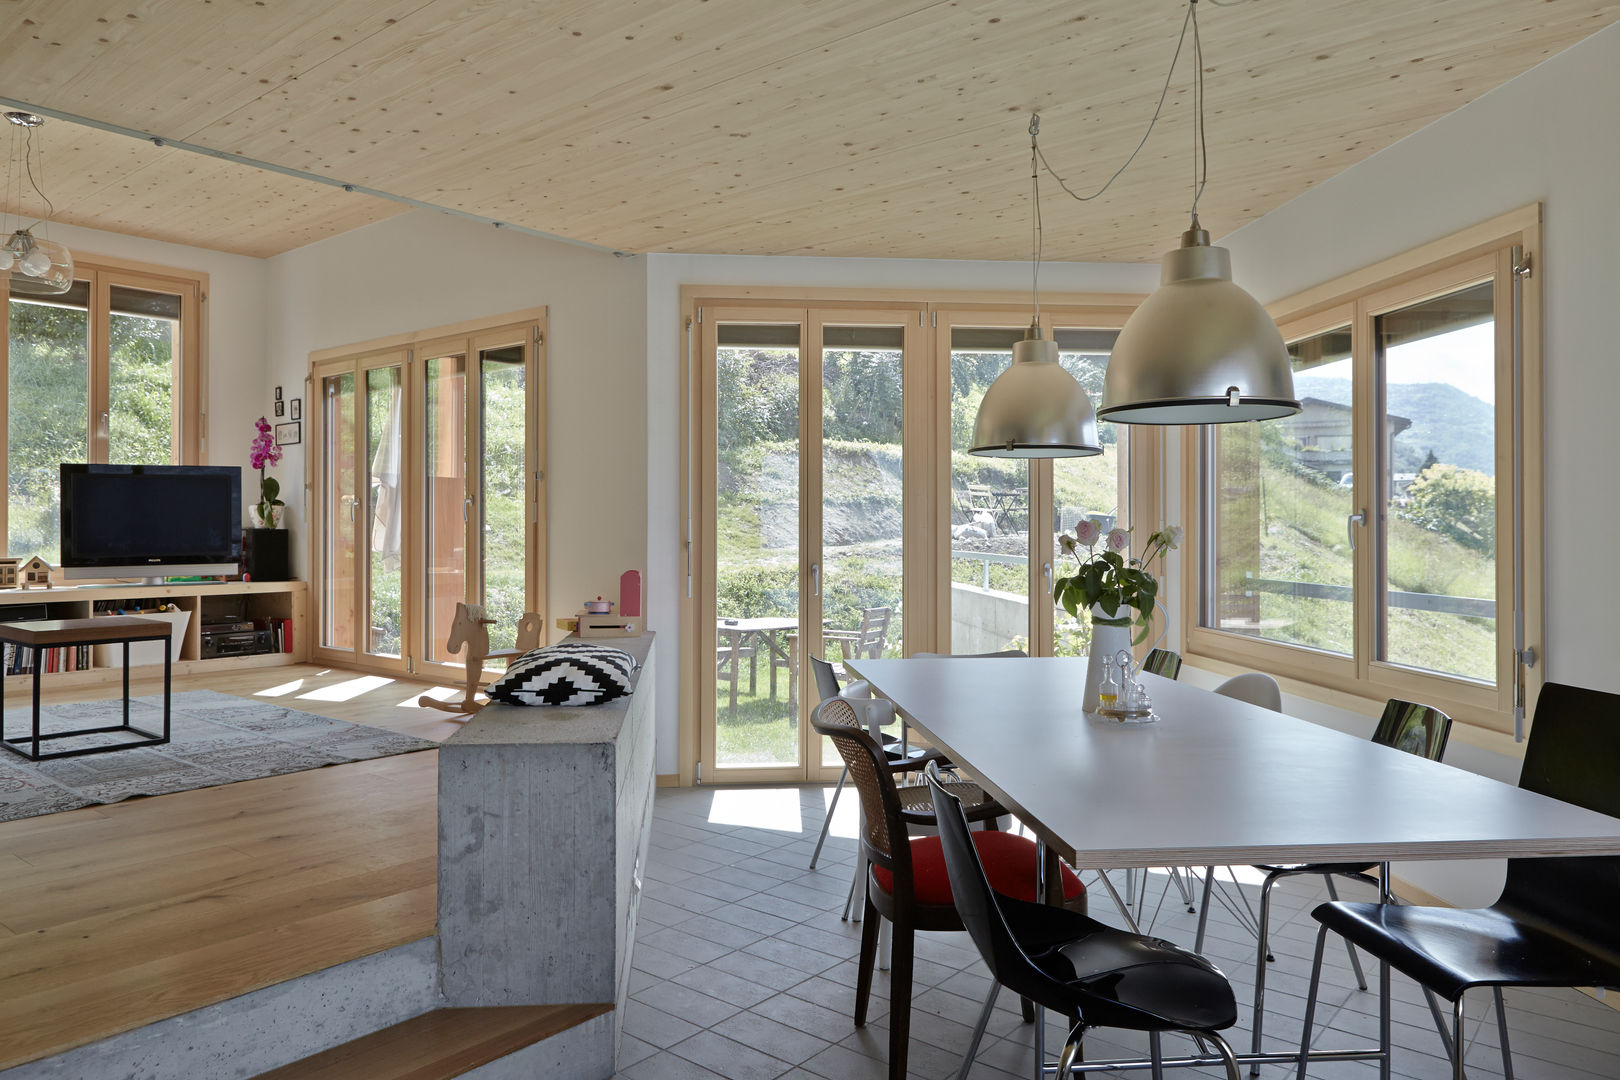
1458, 428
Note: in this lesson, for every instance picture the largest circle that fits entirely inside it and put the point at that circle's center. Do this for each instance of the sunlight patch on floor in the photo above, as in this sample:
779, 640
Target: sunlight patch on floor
776, 809
437, 693
347, 690
846, 817
282, 690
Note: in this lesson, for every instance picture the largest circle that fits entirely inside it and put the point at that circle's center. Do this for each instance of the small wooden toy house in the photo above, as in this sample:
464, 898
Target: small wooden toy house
8, 573
36, 571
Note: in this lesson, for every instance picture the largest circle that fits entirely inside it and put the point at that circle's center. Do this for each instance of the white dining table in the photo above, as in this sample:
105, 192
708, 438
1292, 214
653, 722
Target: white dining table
1214, 781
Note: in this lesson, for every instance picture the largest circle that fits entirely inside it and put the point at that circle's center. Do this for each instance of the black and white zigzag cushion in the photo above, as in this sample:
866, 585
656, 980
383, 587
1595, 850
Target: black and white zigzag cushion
571, 673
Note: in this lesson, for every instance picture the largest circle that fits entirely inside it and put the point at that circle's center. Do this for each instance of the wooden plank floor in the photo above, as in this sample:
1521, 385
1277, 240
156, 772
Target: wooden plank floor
116, 916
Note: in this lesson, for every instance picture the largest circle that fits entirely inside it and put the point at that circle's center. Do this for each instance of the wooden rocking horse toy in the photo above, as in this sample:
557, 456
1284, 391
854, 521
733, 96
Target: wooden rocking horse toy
470, 630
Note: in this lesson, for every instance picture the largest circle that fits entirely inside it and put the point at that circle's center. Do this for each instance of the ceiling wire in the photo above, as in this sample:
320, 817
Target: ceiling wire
1200, 160
1157, 109
1035, 182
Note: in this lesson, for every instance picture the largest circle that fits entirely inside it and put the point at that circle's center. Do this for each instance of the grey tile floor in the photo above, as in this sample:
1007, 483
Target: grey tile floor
742, 969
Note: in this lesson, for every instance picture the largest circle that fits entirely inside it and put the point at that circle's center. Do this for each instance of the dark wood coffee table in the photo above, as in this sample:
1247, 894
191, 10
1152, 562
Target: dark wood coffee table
56, 633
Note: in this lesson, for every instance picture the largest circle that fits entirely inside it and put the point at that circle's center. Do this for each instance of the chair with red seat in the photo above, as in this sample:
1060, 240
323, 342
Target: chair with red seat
907, 883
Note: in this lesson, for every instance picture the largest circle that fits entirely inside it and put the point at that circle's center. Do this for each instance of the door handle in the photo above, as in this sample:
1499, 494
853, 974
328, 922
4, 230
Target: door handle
1350, 523
815, 579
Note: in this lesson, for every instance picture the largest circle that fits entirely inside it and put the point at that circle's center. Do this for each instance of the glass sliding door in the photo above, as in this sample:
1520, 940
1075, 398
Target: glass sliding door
429, 494
385, 510
758, 566
503, 491
339, 510
989, 511
446, 503
862, 534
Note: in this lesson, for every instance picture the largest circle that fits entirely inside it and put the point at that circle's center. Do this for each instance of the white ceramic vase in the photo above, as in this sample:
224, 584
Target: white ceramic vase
272, 522
1105, 641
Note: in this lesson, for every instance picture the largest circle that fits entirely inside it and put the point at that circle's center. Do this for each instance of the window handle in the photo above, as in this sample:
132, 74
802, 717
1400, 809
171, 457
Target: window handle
815, 579
1350, 523
466, 508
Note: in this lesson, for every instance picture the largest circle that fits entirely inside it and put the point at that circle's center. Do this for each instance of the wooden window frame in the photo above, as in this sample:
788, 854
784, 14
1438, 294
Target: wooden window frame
408, 349
926, 472
1361, 682
189, 411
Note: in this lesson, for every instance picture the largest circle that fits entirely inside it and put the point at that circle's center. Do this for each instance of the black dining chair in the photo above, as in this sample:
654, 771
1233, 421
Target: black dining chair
1404, 725
1090, 973
1554, 924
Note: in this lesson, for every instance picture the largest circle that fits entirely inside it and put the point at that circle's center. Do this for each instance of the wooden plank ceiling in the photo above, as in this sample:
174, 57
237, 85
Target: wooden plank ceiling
811, 127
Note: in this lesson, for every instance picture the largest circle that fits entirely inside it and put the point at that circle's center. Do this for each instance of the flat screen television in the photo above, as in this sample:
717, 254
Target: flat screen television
151, 520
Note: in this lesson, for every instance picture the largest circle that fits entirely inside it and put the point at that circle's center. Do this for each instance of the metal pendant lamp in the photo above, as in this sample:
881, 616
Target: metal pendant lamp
39, 266
1199, 350
1035, 409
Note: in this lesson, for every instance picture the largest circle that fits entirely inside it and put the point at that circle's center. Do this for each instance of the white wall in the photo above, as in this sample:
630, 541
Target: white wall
666, 274
421, 270
235, 328
1548, 135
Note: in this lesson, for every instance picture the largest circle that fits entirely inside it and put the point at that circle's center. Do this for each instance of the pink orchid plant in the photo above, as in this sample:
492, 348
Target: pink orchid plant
1107, 579
262, 453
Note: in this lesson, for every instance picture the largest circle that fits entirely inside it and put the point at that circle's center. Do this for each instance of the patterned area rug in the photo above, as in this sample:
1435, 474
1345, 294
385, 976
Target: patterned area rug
214, 739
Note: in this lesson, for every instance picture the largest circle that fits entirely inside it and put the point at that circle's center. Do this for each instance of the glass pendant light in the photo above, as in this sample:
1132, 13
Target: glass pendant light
39, 266
1035, 409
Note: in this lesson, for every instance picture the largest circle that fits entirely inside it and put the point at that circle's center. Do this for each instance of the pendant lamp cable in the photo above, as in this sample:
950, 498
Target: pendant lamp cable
1035, 183
1200, 147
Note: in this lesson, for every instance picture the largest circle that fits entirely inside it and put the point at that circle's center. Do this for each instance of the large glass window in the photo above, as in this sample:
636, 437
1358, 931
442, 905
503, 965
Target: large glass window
1436, 363
1385, 540
1281, 496
105, 372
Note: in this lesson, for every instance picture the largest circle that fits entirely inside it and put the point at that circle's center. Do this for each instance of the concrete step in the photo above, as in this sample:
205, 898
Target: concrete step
445, 1043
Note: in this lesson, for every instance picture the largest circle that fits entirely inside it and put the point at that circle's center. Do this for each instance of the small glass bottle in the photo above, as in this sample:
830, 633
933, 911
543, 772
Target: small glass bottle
1108, 689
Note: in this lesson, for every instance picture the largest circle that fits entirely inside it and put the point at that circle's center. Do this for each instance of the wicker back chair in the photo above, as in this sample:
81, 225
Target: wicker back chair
906, 880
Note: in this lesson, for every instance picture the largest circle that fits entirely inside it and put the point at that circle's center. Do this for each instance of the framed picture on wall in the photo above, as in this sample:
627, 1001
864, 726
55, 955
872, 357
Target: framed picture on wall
295, 411
279, 406
289, 434
278, 393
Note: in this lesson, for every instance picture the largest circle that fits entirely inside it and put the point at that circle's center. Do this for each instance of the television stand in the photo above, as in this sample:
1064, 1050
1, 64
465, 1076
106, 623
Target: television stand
283, 604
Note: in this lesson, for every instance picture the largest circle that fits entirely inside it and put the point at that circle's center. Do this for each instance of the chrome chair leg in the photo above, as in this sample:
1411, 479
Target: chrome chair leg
1071, 1051
1355, 963
1264, 923
1439, 1021
852, 903
1225, 1050
1501, 1027
1457, 1039
978, 1031
826, 824
1155, 1049
1310, 1002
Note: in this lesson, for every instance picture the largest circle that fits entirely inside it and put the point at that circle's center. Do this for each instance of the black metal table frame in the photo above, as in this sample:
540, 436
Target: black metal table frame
150, 738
